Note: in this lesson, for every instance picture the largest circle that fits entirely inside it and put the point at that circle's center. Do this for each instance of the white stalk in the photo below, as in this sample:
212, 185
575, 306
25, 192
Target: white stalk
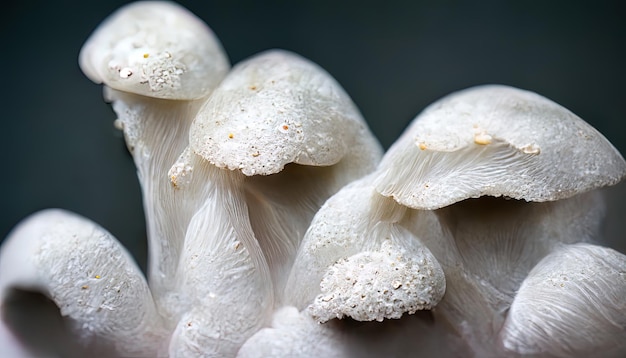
224, 285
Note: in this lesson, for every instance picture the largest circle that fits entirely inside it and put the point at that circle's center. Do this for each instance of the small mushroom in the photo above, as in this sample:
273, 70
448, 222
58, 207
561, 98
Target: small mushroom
358, 260
570, 305
90, 277
158, 63
278, 108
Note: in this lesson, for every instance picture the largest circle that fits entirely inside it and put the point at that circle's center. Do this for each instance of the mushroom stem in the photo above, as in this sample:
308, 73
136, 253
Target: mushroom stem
156, 132
89, 276
225, 288
491, 245
282, 205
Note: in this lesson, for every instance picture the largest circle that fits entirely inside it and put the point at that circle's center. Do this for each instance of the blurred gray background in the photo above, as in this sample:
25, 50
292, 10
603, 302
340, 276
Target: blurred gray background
58, 147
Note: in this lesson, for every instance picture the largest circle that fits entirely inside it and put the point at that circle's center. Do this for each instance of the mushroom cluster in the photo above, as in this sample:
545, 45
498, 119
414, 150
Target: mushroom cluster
276, 227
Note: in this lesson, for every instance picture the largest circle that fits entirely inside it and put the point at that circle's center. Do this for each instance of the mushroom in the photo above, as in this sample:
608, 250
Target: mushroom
287, 147
284, 148
156, 49
90, 277
498, 141
478, 228
574, 299
358, 260
215, 232
158, 63
439, 184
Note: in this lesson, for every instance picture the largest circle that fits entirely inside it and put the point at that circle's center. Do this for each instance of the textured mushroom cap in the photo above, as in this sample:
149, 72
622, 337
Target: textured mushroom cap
497, 141
357, 261
377, 285
89, 276
156, 49
273, 109
571, 305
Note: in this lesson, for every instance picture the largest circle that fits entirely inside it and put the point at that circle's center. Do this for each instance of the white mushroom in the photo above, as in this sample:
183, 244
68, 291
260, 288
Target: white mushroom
358, 260
159, 63
89, 276
274, 109
571, 304
483, 141
475, 229
497, 141
278, 108
241, 243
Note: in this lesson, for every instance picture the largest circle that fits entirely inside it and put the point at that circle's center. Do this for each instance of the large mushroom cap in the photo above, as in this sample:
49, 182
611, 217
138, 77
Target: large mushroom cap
497, 141
273, 109
156, 49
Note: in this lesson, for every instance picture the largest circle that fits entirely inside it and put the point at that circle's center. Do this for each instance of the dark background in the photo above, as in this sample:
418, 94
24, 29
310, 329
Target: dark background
58, 147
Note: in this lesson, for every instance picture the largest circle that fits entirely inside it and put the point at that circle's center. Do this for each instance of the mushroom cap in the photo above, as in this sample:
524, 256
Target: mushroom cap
89, 275
156, 49
273, 109
570, 305
498, 141
356, 260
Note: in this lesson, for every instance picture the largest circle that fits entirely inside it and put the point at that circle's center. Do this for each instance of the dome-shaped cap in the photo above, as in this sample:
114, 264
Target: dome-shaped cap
156, 49
273, 109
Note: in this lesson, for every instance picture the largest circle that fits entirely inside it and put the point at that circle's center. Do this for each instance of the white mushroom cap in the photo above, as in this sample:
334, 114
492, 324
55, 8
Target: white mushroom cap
287, 109
496, 141
356, 260
572, 304
156, 49
89, 276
